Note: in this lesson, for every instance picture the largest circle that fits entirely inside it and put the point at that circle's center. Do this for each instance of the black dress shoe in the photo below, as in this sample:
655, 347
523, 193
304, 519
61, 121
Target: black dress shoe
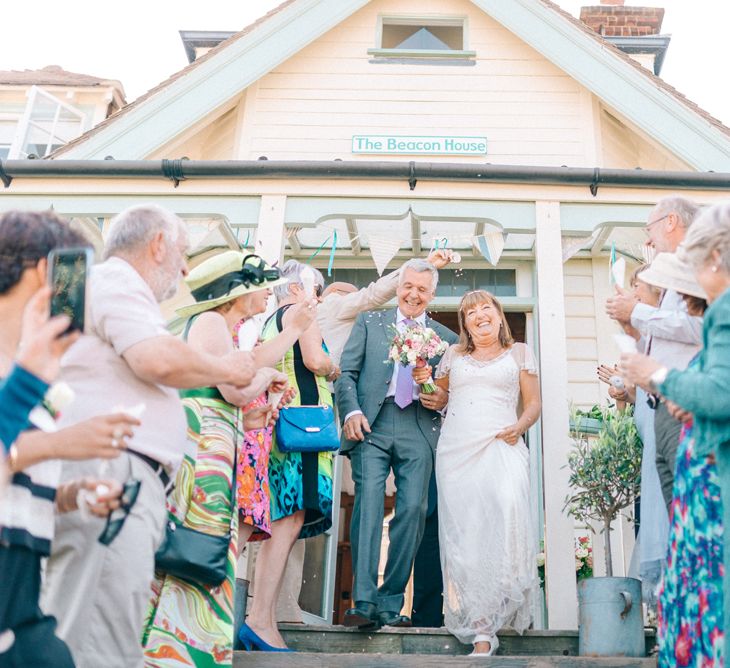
394, 619
363, 616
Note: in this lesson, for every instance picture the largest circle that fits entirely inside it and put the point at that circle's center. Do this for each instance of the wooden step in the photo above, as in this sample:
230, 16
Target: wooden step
427, 641
340, 660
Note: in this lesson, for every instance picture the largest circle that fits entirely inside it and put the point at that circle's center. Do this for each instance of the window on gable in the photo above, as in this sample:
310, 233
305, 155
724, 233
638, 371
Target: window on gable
412, 37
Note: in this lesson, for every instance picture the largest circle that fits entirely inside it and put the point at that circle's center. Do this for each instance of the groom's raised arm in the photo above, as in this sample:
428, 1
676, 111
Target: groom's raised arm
353, 357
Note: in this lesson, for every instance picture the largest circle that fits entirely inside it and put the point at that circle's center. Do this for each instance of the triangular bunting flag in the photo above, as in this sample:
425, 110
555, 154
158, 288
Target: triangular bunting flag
491, 245
383, 250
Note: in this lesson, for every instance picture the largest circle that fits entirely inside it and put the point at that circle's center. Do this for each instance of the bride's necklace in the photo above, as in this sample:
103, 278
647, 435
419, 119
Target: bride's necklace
487, 354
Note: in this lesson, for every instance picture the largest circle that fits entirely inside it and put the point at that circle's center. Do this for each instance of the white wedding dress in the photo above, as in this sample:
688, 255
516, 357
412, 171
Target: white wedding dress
487, 544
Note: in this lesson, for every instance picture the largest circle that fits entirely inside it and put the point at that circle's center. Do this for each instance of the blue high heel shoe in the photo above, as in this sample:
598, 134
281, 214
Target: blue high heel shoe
251, 641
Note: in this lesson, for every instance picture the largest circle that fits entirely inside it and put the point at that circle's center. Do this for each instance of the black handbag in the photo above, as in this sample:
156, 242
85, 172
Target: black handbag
195, 556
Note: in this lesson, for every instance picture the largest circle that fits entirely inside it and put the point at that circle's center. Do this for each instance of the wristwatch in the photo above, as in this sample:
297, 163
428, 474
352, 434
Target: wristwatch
658, 377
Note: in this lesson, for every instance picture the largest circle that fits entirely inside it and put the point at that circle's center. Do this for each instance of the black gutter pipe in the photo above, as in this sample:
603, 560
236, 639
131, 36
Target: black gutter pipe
180, 170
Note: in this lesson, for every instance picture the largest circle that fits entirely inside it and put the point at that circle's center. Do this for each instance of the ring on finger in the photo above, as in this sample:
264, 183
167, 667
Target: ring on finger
115, 443
117, 433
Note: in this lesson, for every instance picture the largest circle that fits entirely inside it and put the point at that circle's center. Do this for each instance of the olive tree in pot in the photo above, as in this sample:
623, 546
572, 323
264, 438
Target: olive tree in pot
605, 476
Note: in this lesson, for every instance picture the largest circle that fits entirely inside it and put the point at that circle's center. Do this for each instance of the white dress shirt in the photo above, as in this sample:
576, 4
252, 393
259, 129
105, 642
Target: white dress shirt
400, 326
400, 323
673, 335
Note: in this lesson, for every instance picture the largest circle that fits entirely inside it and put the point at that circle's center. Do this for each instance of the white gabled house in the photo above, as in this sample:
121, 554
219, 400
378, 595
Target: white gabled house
423, 120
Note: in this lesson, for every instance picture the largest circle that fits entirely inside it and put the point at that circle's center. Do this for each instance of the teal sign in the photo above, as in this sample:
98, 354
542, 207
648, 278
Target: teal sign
417, 145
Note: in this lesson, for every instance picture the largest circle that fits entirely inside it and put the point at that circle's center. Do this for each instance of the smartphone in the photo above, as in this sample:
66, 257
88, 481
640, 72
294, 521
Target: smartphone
68, 269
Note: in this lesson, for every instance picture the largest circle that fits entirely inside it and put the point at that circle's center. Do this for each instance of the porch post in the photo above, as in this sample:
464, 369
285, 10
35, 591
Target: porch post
559, 531
270, 229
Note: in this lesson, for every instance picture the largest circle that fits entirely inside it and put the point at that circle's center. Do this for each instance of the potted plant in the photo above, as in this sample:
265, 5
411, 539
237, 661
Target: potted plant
586, 422
605, 476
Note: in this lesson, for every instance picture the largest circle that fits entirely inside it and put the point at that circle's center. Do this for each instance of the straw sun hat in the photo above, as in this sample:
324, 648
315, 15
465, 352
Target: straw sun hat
669, 272
224, 277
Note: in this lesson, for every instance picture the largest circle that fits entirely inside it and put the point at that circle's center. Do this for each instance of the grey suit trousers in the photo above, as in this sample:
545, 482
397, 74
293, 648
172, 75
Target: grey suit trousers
666, 432
396, 442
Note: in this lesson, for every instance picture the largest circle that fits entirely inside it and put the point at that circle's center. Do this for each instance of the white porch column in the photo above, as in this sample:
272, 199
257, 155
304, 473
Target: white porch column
270, 228
560, 561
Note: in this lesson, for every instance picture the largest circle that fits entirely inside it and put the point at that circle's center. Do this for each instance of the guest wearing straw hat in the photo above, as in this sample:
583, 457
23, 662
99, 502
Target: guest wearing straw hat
223, 487
694, 598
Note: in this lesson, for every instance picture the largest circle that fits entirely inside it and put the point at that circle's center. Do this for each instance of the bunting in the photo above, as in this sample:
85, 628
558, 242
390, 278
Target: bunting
383, 250
491, 245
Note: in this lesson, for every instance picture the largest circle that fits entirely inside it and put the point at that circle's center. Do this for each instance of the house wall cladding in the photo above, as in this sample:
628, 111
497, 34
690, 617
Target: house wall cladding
310, 106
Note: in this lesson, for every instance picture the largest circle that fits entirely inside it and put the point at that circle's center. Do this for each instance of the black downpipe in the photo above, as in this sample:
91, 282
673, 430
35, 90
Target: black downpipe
409, 172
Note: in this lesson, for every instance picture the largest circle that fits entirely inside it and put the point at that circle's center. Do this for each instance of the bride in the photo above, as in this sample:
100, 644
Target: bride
482, 474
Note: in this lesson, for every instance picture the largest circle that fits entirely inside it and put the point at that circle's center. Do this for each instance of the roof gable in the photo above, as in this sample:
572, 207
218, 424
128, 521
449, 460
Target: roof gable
187, 97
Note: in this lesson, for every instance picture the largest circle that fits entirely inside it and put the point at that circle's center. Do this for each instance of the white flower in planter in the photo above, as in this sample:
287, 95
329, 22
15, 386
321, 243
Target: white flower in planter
581, 553
541, 559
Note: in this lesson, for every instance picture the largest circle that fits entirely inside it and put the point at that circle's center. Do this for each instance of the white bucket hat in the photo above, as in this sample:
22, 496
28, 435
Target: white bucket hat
667, 271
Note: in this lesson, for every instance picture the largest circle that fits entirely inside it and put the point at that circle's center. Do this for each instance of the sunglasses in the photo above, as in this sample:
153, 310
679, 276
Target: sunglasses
116, 519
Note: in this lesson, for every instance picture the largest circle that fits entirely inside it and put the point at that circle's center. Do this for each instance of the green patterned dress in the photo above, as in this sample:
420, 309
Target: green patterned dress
300, 481
190, 624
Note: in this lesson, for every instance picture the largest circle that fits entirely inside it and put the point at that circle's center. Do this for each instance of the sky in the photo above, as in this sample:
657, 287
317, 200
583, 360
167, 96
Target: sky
137, 42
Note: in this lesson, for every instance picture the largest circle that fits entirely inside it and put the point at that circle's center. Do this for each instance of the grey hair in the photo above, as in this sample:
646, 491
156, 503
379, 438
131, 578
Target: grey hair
133, 228
711, 231
419, 265
292, 269
685, 209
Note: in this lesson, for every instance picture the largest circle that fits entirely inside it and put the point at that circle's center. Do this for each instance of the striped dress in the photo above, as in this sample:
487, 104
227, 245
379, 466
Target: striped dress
191, 624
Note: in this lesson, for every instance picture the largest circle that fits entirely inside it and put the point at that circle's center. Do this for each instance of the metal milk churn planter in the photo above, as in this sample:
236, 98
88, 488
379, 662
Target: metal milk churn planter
610, 617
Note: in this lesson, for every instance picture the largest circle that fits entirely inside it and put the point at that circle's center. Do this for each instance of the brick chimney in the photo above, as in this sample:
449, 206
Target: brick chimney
612, 19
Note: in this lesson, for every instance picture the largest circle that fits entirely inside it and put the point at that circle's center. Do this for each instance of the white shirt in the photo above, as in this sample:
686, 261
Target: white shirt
673, 336
400, 326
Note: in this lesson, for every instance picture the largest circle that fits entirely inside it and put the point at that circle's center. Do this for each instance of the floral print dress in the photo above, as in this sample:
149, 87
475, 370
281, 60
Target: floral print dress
691, 597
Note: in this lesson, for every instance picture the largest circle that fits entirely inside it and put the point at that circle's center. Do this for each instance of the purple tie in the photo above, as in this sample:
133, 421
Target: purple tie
404, 382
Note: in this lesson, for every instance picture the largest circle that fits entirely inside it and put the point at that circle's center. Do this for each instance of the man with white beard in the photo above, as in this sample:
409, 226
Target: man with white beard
99, 574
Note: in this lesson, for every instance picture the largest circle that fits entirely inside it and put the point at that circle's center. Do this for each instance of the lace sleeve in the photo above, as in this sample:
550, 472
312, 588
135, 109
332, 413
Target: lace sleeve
525, 358
444, 365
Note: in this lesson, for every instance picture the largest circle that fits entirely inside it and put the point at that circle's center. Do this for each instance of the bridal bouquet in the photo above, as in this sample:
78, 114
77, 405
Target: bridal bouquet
416, 345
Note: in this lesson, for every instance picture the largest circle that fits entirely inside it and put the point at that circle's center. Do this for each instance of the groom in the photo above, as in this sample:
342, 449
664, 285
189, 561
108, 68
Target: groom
385, 426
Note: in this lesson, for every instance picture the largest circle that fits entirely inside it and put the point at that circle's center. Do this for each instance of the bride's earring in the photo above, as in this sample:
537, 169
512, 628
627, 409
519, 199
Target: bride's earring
713, 268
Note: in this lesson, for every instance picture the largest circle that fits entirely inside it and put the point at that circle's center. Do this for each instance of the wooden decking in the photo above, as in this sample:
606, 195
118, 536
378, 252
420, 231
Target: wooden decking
336, 646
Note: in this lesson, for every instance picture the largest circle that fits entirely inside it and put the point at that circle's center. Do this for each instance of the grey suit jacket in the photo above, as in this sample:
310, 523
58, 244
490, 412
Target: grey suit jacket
367, 372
